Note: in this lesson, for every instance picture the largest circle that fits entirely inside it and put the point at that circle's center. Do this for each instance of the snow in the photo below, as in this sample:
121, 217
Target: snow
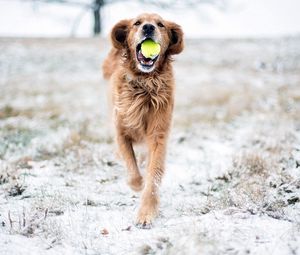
232, 180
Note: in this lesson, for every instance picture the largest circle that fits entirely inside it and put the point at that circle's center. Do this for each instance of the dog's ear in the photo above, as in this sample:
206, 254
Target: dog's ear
176, 38
119, 34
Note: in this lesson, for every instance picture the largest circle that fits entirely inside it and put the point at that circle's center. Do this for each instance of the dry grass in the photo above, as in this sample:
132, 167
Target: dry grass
257, 181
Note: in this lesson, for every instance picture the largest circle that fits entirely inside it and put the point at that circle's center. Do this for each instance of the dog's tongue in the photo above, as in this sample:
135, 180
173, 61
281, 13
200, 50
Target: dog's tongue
144, 61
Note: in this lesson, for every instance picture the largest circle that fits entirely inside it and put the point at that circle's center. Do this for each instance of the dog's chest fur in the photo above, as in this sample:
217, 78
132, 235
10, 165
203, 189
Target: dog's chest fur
140, 99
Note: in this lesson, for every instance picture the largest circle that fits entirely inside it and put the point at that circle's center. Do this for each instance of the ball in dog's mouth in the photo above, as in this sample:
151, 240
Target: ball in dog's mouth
146, 62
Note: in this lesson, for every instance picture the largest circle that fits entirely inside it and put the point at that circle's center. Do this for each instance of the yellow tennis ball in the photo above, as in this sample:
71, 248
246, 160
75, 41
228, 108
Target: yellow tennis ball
150, 49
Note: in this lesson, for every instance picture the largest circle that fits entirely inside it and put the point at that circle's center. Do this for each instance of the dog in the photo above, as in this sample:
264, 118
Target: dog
142, 96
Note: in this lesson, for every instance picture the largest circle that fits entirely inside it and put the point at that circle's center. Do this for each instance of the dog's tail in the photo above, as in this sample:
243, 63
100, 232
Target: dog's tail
110, 63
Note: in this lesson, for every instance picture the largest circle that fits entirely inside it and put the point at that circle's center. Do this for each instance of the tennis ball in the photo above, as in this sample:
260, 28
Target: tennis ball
150, 49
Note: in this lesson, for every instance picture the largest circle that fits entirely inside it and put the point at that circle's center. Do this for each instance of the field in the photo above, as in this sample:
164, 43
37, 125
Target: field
233, 168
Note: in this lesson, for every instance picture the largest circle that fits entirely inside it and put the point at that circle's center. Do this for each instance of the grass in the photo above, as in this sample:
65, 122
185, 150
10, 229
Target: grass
256, 182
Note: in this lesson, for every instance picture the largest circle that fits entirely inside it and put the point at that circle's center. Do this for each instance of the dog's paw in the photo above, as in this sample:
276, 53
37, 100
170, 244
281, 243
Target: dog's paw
136, 183
144, 221
145, 216
144, 225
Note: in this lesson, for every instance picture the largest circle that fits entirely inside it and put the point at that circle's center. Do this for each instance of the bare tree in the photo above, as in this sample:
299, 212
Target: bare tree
96, 7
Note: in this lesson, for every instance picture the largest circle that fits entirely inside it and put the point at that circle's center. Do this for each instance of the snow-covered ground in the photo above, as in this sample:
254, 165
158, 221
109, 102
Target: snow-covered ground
233, 169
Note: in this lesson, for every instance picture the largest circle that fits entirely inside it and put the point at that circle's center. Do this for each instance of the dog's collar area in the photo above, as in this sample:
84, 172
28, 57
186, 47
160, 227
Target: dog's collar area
128, 78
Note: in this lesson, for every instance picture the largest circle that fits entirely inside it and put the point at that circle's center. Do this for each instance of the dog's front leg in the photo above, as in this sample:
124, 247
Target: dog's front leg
150, 197
135, 180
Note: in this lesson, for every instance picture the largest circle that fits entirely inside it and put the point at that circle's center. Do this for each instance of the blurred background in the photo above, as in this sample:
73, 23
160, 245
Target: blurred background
199, 18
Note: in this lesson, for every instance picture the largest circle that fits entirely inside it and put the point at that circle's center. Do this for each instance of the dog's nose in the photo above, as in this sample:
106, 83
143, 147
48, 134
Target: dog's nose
148, 29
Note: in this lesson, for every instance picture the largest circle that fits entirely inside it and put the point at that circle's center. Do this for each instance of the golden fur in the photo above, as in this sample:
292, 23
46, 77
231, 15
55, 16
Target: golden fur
143, 99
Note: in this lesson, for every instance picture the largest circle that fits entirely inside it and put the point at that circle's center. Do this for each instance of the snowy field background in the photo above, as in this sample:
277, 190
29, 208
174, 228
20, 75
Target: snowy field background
232, 184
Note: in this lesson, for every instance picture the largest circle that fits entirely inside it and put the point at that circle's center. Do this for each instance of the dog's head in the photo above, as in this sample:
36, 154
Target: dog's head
128, 35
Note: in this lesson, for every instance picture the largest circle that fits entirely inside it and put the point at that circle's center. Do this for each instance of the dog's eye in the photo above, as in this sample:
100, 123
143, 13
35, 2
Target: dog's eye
137, 23
160, 24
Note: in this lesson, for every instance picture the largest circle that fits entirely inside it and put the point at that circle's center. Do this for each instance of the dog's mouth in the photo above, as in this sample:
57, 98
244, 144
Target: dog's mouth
146, 63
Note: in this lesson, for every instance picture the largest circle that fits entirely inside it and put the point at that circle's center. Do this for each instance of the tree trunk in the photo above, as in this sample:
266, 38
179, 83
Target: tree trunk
98, 4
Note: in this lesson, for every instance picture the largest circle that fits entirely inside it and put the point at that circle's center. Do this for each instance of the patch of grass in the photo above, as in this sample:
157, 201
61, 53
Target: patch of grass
24, 163
251, 164
3, 178
214, 105
84, 133
8, 173
7, 111
10, 111
44, 154
33, 222
257, 183
16, 190
13, 140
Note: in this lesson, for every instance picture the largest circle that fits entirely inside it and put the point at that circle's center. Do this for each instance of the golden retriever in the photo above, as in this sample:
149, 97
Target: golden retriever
142, 93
